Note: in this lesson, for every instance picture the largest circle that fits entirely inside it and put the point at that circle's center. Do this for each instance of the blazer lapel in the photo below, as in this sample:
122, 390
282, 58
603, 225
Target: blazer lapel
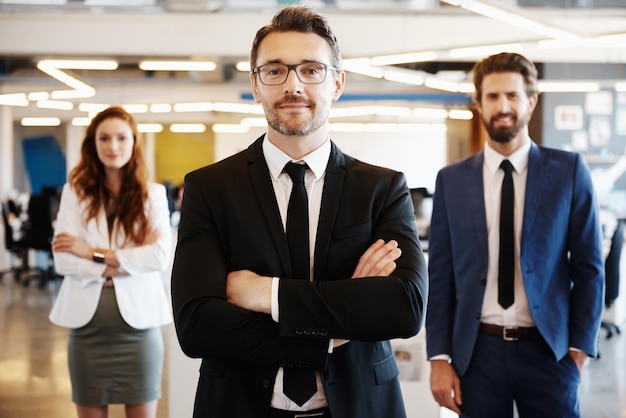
260, 177
476, 202
537, 173
333, 185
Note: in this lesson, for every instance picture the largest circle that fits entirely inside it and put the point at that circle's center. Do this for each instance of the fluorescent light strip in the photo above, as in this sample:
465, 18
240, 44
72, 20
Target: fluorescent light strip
461, 114
92, 107
160, 108
567, 87
136, 108
230, 128
38, 95
31, 121
193, 107
480, 51
55, 104
404, 58
511, 18
81, 121
149, 127
177, 65
406, 77
14, 99
621, 86
187, 128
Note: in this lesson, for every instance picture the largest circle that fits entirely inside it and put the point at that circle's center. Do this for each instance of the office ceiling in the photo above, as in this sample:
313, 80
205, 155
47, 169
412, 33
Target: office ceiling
221, 31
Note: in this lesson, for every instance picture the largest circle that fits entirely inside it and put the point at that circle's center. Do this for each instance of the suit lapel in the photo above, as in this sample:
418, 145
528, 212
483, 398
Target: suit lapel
475, 197
261, 180
537, 173
333, 185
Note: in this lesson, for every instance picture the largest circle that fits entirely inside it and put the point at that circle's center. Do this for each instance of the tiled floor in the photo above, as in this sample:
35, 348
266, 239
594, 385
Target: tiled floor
34, 380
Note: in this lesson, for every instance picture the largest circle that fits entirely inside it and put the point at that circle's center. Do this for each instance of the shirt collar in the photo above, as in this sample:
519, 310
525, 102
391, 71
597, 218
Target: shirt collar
519, 159
276, 159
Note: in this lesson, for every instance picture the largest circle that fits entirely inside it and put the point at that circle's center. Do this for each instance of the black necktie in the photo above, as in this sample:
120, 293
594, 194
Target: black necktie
506, 267
299, 384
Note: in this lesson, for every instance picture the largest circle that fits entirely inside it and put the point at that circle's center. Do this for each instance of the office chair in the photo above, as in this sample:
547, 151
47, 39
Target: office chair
15, 247
612, 272
38, 235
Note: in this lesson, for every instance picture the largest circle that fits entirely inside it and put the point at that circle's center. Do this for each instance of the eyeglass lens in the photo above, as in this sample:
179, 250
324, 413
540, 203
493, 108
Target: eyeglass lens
307, 72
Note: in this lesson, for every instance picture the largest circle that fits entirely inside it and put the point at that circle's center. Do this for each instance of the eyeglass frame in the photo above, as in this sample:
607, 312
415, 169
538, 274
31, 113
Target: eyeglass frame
294, 67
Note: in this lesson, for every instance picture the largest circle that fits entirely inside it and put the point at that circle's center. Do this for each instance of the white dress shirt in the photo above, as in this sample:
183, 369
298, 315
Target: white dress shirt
314, 183
517, 314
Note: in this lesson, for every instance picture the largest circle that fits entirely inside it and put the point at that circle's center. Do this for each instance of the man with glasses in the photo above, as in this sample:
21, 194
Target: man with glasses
292, 310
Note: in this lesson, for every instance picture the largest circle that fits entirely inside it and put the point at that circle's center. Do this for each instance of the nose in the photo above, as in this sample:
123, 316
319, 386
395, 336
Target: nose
293, 83
504, 104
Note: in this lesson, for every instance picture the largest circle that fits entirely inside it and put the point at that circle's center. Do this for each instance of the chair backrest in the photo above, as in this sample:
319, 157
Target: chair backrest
612, 265
39, 230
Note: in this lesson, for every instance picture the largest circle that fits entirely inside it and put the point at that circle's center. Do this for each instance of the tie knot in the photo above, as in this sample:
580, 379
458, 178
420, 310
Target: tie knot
296, 171
506, 166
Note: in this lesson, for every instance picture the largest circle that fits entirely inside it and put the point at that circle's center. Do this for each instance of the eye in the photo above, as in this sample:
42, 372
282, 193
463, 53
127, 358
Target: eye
273, 70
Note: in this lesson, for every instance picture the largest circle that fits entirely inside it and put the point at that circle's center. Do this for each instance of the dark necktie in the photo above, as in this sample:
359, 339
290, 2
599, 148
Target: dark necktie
506, 267
299, 384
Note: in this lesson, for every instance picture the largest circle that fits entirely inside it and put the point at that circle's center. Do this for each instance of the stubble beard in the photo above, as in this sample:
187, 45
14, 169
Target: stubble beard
293, 127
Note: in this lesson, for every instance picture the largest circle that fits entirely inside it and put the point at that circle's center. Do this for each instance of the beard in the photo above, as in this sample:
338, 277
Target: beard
294, 126
505, 134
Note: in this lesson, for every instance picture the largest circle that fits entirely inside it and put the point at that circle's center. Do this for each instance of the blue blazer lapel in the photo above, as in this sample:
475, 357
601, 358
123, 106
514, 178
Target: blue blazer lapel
537, 173
476, 202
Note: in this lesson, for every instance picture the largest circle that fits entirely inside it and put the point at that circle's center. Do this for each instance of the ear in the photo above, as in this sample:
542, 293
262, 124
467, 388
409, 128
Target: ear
253, 84
340, 82
532, 102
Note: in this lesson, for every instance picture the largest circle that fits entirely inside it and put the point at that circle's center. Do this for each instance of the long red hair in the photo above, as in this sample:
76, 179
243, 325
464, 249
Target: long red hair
88, 179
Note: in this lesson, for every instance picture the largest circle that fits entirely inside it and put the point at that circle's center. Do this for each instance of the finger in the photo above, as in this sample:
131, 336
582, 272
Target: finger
372, 261
385, 265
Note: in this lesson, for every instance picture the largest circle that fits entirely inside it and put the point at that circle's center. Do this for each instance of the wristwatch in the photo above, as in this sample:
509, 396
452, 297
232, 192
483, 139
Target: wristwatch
98, 256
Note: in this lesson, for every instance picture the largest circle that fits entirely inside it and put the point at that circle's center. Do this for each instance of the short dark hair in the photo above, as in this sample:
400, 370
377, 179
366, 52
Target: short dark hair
298, 19
505, 62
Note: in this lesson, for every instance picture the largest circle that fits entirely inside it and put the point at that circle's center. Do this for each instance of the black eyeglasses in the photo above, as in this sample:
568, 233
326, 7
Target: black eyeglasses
274, 74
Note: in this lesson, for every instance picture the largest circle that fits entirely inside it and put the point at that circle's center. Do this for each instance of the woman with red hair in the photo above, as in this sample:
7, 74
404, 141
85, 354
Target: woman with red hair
112, 242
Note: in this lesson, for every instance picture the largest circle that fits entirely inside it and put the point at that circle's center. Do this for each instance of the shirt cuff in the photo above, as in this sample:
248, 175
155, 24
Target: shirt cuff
274, 307
445, 357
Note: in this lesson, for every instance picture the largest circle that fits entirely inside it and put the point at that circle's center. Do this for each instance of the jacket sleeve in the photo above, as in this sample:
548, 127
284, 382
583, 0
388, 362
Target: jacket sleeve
156, 256
70, 219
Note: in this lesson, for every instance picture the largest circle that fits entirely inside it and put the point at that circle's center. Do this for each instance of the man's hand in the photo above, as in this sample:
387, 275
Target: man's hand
378, 260
248, 290
445, 385
579, 358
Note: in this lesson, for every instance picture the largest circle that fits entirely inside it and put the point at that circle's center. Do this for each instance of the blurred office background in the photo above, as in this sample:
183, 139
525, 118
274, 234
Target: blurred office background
181, 67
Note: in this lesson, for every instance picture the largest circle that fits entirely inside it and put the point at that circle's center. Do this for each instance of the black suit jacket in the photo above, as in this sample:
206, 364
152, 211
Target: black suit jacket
230, 221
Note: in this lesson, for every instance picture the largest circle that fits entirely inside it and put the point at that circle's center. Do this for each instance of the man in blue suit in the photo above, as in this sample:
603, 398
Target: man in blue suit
487, 353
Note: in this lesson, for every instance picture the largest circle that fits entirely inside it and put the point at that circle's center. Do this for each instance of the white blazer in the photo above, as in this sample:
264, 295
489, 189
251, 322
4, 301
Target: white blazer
141, 296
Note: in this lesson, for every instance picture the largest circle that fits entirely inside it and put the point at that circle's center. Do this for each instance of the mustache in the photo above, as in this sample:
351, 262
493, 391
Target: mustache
503, 115
291, 100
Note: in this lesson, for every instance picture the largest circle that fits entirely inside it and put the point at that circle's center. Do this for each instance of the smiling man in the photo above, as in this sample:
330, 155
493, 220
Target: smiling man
292, 312
515, 264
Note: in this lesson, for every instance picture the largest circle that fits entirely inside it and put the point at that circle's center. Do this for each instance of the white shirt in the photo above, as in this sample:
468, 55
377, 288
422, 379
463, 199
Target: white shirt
517, 314
314, 183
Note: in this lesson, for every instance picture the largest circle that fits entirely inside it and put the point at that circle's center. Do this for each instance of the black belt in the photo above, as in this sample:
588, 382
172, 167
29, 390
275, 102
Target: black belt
510, 333
315, 413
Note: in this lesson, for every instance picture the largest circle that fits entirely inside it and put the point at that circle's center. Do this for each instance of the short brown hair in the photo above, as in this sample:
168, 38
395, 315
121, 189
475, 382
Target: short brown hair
298, 19
505, 62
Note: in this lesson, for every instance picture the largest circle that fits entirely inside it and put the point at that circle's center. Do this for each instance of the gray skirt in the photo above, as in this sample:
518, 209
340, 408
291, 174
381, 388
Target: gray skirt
112, 363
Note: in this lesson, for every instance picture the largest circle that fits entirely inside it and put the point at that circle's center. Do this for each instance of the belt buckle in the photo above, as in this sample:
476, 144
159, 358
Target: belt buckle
505, 336
315, 414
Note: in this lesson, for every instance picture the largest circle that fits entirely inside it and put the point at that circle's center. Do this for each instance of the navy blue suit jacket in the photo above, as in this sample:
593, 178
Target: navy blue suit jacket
560, 255
230, 221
